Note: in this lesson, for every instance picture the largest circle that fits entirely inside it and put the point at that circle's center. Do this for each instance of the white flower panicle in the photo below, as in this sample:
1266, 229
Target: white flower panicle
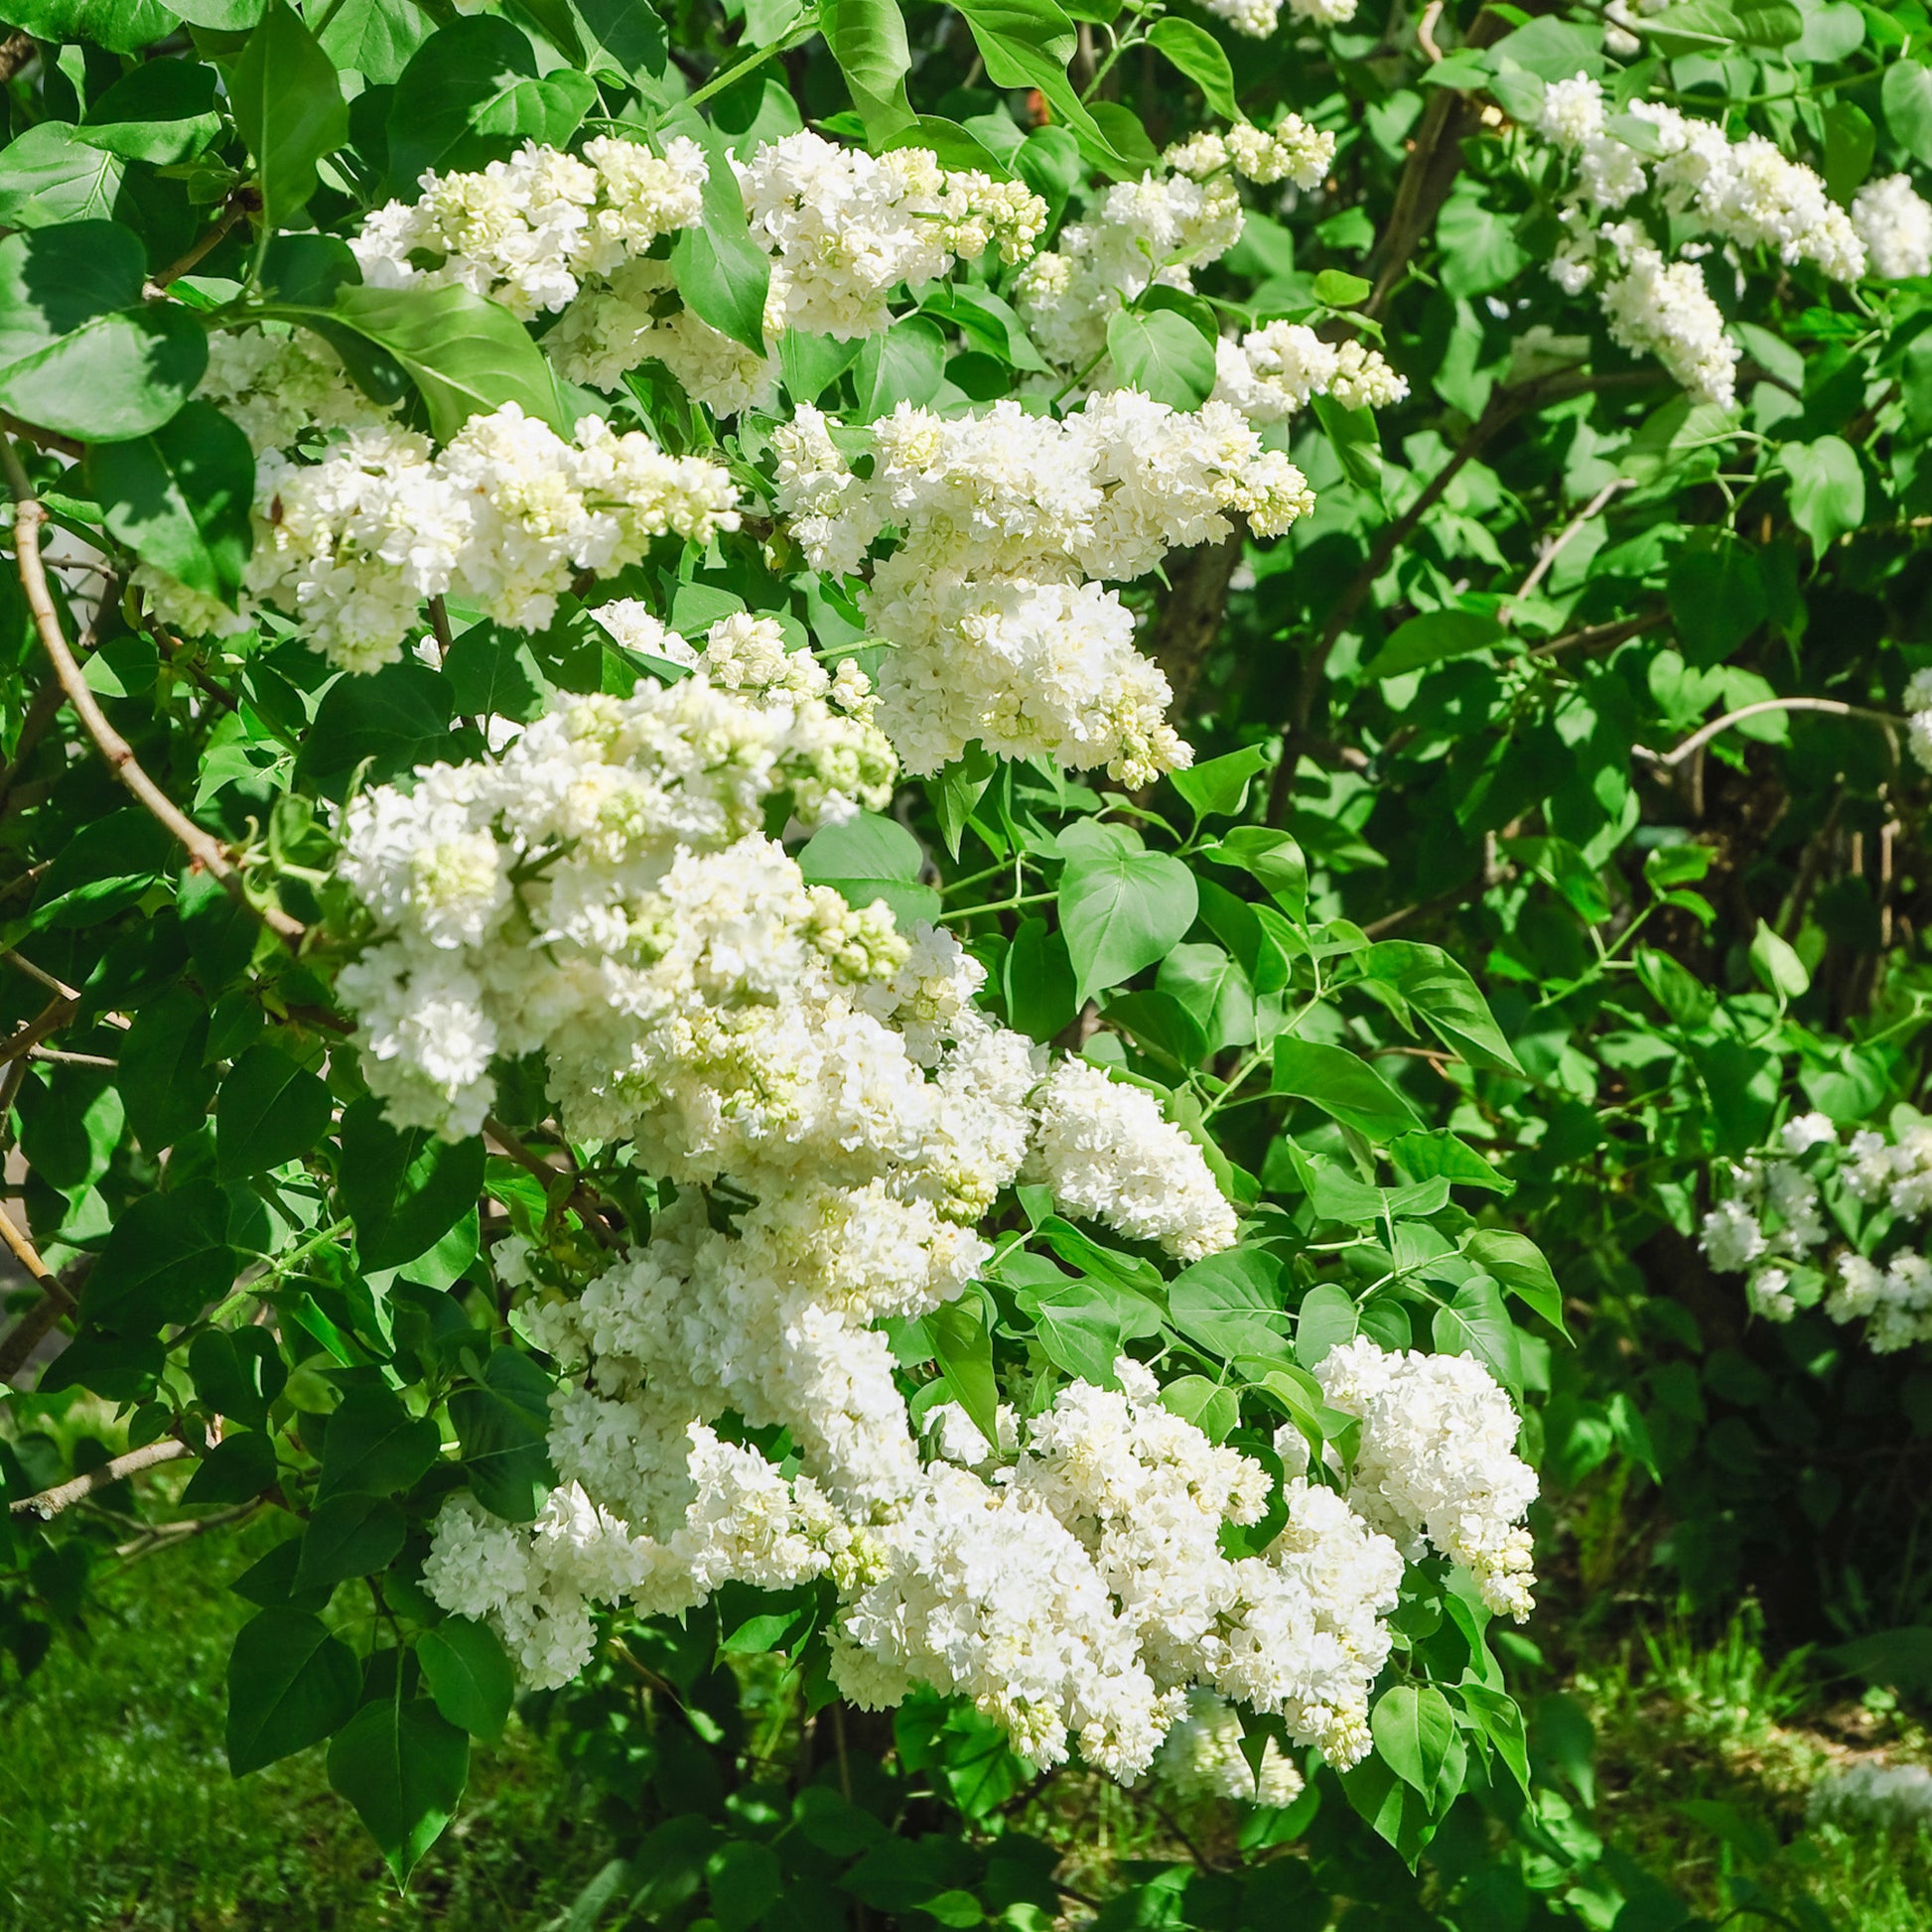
1438, 1464
1894, 222
504, 518
529, 232
1154, 229
1270, 372
1203, 1757
1105, 1148
1001, 520
1800, 1248
1745, 193
1290, 151
1918, 706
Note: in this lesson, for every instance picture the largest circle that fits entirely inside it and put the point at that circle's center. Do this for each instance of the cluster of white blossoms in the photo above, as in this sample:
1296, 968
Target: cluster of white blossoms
1290, 151
1437, 1465
836, 1116
1744, 193
1258, 19
1270, 372
502, 518
1156, 229
1798, 1222
1869, 1791
1919, 714
1002, 521
1894, 222
532, 231
1203, 1757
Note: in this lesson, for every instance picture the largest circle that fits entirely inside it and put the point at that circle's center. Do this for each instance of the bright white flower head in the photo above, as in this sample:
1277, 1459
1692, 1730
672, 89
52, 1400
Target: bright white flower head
1894, 222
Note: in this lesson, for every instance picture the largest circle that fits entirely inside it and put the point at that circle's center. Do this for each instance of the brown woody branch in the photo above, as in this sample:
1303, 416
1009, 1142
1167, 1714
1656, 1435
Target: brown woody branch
202, 846
50, 1502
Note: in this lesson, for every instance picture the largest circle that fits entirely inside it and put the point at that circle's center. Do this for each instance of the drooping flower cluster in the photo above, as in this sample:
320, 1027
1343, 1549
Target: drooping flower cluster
502, 518
1438, 1464
1745, 193
1002, 520
1812, 1223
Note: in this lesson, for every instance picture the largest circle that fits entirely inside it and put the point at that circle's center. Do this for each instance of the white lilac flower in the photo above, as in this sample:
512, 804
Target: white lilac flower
1894, 223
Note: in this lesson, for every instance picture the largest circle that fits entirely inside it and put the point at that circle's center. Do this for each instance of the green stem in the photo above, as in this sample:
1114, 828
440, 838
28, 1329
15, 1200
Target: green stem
720, 82
1000, 906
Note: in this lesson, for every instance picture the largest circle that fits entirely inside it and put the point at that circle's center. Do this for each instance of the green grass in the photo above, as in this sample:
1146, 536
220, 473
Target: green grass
117, 1810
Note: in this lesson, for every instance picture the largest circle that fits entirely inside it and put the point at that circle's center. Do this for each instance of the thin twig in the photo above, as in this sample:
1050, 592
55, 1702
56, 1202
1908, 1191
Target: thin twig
202, 846
24, 1038
60, 1058
1553, 549
28, 1258
1593, 635
1705, 733
586, 1204
204, 246
50, 1502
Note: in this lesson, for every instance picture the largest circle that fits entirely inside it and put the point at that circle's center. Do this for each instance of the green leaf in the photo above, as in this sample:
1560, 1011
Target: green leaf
493, 673
867, 40
957, 790
950, 144
1414, 1729
1342, 1086
722, 273
1327, 1318
466, 355
872, 858
1213, 989
904, 364
375, 1448
376, 38
1499, 1721
1213, 1409
1907, 95
1037, 977
1432, 637
403, 1765
1518, 1262
1851, 140
964, 1351
1445, 996
237, 1372
237, 1471
1219, 788
120, 26
1272, 856
54, 279
1231, 1305
49, 174
1716, 599
180, 499
472, 94
1778, 968
269, 1111
1336, 289
1476, 1323
405, 1189
116, 376
107, 866
390, 721
163, 1079
1438, 1153
745, 1876
349, 1535
286, 101
1201, 57
1120, 910
503, 1425
1162, 355
469, 1675
290, 1684
161, 112
1826, 489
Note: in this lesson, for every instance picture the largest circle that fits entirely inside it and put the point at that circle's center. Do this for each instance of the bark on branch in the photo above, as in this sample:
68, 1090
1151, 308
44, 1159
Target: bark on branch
203, 847
50, 1502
